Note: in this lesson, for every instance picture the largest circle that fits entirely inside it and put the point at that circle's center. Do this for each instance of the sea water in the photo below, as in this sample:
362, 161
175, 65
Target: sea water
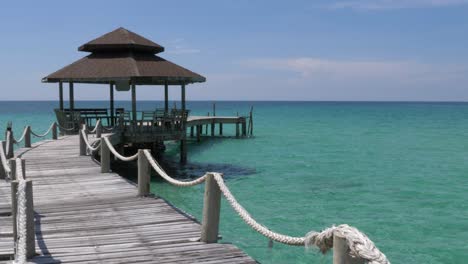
396, 171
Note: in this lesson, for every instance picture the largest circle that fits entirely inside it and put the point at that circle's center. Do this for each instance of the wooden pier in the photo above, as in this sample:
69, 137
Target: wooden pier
83, 215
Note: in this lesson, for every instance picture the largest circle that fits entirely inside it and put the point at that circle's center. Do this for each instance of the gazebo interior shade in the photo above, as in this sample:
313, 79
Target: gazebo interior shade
124, 55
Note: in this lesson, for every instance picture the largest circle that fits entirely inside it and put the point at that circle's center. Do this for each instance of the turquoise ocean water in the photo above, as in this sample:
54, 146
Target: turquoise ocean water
397, 171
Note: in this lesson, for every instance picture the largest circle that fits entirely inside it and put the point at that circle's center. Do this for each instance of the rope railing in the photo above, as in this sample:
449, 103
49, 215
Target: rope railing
44, 134
17, 141
8, 143
66, 129
98, 123
360, 246
3, 160
88, 145
117, 154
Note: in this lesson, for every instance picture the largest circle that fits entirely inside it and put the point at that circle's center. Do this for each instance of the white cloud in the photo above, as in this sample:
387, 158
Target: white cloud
313, 68
178, 46
394, 4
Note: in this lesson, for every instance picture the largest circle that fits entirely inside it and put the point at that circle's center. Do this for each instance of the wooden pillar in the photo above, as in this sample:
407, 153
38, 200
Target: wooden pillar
12, 164
54, 131
10, 151
99, 129
213, 129
61, 96
211, 211
134, 113
2, 169
244, 128
341, 252
82, 144
111, 95
27, 137
220, 129
105, 157
72, 97
166, 97
199, 130
191, 132
183, 151
214, 109
144, 175
237, 129
30, 232
183, 143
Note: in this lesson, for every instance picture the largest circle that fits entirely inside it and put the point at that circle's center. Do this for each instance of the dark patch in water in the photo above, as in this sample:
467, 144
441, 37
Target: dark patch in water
129, 170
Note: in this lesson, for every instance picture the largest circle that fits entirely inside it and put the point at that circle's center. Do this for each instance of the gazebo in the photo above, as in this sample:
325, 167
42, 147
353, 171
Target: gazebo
123, 59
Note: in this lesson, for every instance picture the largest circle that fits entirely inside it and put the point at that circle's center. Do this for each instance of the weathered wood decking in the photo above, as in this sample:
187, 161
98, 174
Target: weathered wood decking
82, 215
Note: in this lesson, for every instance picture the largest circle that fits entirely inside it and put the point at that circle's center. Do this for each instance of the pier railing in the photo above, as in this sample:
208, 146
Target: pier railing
348, 243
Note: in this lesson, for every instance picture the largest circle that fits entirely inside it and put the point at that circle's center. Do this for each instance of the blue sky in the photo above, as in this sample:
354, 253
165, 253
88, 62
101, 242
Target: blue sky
385, 50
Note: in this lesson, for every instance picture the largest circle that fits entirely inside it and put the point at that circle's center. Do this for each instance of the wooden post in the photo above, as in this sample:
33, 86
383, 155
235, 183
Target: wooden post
199, 128
27, 137
134, 113
99, 130
111, 95
82, 143
341, 252
212, 128
211, 211
61, 96
72, 97
54, 131
2, 169
220, 129
237, 129
191, 132
30, 232
166, 97
10, 149
244, 127
12, 164
183, 151
144, 175
105, 157
214, 109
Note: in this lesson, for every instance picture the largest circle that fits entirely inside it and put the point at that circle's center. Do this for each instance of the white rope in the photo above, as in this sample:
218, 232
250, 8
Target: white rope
85, 138
109, 129
4, 161
289, 240
66, 129
46, 133
19, 169
20, 257
168, 178
95, 127
360, 246
112, 149
22, 136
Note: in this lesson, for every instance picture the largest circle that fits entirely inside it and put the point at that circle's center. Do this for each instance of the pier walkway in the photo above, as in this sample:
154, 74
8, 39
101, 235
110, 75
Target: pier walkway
83, 215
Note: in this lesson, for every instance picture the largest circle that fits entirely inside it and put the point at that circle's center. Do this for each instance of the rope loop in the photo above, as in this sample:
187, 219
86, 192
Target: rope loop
88, 145
117, 154
46, 133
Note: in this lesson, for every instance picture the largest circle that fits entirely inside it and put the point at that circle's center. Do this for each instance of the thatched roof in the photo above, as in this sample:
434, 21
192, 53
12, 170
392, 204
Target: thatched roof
123, 55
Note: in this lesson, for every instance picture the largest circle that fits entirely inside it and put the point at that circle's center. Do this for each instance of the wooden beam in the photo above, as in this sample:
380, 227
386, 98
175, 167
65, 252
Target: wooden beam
134, 113
183, 97
111, 94
166, 97
72, 97
61, 95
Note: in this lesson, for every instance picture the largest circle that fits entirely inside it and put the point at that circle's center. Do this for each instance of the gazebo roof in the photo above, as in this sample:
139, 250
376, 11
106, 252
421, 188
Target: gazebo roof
123, 55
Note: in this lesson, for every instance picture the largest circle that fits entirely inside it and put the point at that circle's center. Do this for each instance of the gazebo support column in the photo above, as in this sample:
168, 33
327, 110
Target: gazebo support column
72, 97
61, 95
134, 113
183, 143
166, 97
111, 95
